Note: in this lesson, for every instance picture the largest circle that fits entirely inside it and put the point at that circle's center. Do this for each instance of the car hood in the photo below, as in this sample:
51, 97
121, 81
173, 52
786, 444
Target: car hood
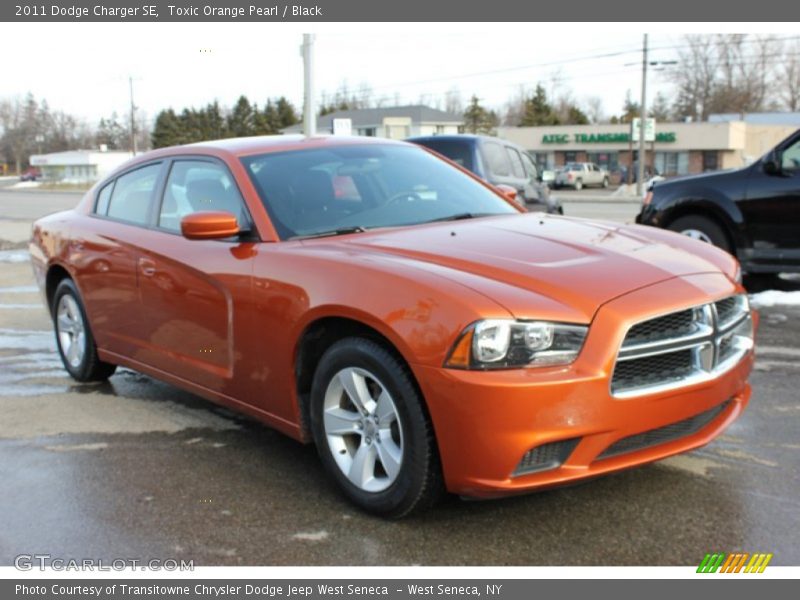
697, 178
578, 264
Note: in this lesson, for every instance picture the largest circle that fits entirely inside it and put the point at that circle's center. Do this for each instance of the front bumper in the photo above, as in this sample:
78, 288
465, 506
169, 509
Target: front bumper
486, 421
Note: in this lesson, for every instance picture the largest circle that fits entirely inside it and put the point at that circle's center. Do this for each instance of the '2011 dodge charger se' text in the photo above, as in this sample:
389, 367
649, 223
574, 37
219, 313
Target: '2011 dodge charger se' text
400, 313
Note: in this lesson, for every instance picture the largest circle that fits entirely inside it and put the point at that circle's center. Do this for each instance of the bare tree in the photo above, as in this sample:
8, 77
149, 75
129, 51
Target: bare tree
695, 77
789, 78
453, 102
725, 73
594, 109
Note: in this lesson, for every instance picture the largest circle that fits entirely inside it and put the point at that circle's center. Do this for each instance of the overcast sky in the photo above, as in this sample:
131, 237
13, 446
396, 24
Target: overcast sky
83, 68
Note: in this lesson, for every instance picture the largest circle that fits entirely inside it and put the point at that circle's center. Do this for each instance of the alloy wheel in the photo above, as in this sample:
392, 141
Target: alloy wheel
71, 330
363, 430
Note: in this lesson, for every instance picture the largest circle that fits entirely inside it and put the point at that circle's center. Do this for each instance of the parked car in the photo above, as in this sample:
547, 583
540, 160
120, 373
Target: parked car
753, 212
578, 175
421, 330
30, 174
499, 162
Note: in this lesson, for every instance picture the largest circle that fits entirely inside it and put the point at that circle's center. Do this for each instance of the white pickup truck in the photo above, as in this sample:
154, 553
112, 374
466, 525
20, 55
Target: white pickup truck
580, 174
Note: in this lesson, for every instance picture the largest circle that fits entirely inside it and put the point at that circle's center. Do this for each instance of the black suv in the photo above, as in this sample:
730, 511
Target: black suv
753, 212
497, 161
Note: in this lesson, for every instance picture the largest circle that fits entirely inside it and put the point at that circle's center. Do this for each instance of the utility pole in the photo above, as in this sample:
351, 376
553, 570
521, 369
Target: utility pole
309, 110
642, 117
133, 117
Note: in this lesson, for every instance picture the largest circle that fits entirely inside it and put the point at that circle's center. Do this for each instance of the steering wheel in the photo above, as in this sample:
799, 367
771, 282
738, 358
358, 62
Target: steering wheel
405, 196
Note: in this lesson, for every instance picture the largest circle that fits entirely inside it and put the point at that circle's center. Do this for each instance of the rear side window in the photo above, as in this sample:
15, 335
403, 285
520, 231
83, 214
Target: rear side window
516, 163
497, 159
130, 198
103, 198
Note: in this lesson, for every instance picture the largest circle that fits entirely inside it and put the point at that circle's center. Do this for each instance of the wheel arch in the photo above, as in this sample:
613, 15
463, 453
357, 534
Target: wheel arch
320, 334
712, 210
56, 273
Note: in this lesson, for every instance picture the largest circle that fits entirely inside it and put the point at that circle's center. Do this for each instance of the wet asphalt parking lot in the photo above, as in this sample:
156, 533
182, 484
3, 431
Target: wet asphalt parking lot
135, 468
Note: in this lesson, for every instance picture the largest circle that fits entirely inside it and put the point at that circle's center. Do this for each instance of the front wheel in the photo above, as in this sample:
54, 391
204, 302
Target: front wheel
74, 337
703, 229
371, 429
605, 182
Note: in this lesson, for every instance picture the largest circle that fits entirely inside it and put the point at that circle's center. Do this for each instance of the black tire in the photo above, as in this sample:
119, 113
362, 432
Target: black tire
578, 185
90, 367
605, 182
418, 483
710, 229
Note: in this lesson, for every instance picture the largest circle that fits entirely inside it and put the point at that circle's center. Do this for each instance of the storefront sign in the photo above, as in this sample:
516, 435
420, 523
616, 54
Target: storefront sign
667, 137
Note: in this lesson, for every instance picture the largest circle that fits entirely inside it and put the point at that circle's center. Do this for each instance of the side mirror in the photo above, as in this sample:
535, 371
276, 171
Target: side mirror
772, 162
507, 191
209, 225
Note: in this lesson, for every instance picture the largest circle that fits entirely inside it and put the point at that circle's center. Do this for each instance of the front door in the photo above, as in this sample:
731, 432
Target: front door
772, 208
195, 294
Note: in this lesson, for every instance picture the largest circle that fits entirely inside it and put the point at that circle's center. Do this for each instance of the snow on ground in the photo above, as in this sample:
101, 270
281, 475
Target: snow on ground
775, 298
14, 256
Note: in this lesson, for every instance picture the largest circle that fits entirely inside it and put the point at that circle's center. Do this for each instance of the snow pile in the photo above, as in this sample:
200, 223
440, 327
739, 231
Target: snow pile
14, 256
775, 298
25, 184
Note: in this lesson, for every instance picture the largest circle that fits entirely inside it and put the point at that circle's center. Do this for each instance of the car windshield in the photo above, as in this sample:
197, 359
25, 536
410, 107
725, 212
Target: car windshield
571, 167
350, 188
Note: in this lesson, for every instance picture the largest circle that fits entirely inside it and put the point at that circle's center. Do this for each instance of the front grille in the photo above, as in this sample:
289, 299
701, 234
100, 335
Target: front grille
652, 370
665, 434
673, 325
682, 347
545, 457
726, 310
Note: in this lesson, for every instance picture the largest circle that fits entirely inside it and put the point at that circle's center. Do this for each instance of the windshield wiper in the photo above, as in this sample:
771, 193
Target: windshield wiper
331, 232
458, 217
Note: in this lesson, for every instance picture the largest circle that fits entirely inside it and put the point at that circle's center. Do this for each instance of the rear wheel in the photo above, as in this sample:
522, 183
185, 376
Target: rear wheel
578, 184
371, 430
74, 337
702, 228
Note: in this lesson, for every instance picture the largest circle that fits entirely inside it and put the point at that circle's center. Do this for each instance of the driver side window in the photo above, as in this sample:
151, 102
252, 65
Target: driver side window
790, 160
197, 185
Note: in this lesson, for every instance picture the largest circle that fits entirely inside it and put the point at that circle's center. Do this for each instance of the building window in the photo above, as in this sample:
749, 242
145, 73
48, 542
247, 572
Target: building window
367, 131
570, 156
672, 163
439, 129
605, 160
710, 160
397, 132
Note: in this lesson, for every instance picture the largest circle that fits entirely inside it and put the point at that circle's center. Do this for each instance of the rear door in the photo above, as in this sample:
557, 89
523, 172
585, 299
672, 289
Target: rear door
105, 246
196, 294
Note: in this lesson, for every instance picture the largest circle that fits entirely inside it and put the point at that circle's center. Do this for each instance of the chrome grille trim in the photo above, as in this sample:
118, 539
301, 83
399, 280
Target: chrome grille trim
717, 340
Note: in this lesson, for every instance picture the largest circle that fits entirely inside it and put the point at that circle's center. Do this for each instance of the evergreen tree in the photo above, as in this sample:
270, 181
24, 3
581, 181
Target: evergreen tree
240, 120
167, 129
537, 110
479, 120
287, 116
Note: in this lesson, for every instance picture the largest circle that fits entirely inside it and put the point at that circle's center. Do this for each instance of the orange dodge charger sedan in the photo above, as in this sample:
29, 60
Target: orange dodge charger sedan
406, 317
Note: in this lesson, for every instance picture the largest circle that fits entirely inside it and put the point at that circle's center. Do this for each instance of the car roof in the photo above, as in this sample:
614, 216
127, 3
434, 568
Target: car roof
246, 146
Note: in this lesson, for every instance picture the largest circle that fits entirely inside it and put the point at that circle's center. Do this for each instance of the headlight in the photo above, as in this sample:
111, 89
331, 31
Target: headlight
737, 274
504, 344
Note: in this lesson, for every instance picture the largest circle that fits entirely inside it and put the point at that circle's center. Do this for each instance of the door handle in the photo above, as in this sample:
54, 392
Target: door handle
147, 267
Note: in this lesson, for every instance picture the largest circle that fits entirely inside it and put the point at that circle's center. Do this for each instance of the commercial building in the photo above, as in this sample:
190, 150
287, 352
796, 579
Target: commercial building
78, 166
679, 148
394, 122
